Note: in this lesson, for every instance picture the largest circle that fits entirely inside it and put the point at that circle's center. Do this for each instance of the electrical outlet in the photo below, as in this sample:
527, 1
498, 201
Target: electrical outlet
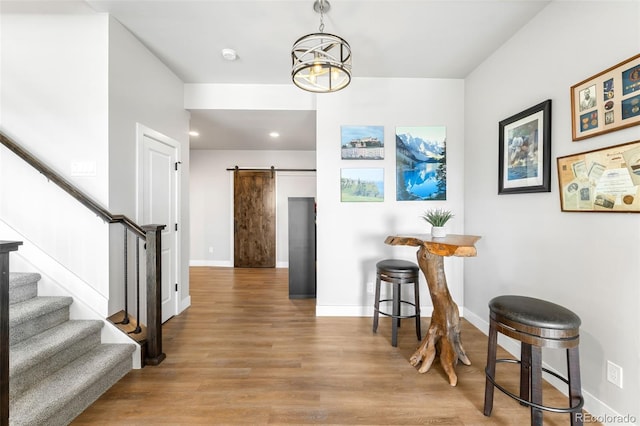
83, 168
614, 374
210, 249
370, 288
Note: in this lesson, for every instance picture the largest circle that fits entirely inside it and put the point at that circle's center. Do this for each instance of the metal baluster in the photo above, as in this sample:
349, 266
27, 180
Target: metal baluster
137, 329
125, 320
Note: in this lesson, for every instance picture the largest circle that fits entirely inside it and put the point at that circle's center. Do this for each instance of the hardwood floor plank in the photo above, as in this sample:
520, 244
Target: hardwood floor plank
244, 353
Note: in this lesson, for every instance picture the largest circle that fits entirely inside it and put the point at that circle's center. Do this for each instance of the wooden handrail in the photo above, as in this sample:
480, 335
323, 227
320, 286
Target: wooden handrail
70, 189
5, 248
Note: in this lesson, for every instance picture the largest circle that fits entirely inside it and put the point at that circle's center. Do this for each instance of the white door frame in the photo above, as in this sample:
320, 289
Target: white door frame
141, 132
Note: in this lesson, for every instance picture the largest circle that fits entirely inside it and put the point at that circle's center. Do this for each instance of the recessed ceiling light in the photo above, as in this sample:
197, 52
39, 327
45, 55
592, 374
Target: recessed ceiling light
194, 133
274, 134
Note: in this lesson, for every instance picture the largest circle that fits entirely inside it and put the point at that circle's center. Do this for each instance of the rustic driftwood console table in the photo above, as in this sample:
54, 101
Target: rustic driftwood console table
444, 330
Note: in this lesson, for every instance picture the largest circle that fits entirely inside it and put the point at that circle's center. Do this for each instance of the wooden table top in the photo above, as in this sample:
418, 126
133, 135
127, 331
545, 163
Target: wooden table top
451, 245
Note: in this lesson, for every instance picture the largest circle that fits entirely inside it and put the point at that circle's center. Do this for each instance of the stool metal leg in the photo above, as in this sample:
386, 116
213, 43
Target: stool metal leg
536, 385
376, 305
416, 291
525, 371
396, 313
491, 368
575, 387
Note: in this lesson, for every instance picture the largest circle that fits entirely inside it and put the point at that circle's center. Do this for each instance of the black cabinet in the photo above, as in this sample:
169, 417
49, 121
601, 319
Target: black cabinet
302, 247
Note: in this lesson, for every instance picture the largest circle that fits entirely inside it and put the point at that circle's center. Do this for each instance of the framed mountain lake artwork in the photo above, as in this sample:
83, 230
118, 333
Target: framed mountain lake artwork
602, 180
524, 151
421, 163
608, 101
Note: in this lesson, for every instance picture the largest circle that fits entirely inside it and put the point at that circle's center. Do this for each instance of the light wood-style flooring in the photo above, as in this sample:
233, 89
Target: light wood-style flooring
244, 353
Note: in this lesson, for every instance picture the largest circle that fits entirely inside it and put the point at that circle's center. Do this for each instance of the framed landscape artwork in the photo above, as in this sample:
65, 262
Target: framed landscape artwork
362, 142
607, 101
421, 163
602, 180
524, 151
362, 184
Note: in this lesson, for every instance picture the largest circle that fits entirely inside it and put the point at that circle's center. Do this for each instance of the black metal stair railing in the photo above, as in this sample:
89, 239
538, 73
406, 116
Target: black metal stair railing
147, 234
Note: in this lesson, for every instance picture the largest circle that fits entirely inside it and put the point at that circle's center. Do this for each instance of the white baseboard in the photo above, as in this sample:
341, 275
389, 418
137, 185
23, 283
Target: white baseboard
224, 263
357, 311
598, 410
366, 311
227, 263
184, 304
343, 311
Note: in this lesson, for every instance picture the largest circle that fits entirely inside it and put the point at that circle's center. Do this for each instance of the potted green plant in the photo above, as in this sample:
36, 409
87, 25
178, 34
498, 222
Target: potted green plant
438, 218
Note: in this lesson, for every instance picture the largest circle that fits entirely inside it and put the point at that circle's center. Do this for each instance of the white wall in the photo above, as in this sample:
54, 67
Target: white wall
142, 90
587, 262
248, 96
351, 235
212, 199
54, 103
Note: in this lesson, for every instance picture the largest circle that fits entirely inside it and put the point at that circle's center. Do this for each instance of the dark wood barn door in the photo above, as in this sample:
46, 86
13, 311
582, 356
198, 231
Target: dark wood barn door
254, 219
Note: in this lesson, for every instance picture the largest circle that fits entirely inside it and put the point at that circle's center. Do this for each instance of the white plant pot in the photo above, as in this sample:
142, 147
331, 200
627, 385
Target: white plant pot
438, 231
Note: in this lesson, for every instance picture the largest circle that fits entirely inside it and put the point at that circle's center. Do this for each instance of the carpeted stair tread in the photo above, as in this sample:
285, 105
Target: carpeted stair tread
36, 307
41, 347
35, 315
62, 395
22, 286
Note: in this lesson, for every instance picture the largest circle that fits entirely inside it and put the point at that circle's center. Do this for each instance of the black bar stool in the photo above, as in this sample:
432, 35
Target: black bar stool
397, 272
536, 324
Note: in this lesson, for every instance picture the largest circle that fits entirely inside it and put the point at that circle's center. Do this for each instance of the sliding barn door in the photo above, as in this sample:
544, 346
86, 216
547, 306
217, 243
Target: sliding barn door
254, 219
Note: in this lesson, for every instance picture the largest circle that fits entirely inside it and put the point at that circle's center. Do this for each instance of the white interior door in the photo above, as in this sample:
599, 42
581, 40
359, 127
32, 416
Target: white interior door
159, 206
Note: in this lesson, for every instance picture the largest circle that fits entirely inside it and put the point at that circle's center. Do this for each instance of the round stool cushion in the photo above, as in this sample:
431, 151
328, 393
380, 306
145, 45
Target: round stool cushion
396, 265
534, 312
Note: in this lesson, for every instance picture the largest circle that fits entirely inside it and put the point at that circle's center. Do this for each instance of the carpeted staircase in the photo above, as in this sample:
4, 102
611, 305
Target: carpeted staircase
58, 367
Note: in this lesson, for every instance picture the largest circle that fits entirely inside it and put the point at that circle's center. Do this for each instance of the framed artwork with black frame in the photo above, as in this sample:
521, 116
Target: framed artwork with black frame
524, 163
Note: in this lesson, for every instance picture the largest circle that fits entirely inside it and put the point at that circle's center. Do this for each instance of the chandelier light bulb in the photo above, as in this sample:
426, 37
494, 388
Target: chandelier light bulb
317, 65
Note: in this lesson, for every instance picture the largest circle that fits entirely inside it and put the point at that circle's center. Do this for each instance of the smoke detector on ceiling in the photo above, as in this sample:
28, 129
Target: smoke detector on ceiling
229, 54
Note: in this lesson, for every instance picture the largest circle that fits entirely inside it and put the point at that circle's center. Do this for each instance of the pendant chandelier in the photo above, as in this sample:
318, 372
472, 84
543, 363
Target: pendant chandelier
321, 62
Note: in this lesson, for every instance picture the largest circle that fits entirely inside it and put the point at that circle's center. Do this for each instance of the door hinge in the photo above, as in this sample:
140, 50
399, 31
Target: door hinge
176, 286
176, 227
176, 164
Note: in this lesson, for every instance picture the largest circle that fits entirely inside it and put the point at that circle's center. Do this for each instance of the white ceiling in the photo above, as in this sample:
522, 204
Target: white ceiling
244, 129
388, 38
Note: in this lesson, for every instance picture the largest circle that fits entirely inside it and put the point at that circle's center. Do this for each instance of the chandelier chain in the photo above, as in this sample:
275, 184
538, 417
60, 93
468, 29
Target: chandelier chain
321, 28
